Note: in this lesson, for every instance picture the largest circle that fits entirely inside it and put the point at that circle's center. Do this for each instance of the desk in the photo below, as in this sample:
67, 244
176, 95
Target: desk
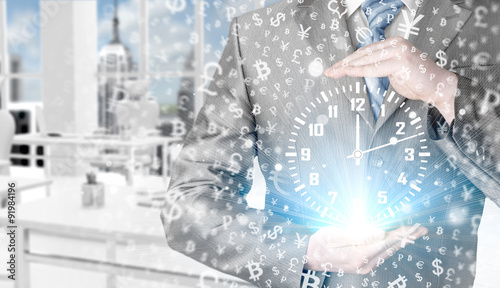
81, 141
120, 221
21, 185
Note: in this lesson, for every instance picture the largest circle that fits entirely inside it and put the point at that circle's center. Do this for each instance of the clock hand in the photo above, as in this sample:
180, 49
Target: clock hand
392, 141
357, 140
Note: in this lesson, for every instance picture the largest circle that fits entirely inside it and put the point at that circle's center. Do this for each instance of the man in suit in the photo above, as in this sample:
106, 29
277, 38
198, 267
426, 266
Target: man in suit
268, 78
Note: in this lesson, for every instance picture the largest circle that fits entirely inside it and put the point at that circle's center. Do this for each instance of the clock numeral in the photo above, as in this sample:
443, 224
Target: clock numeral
333, 111
357, 104
402, 178
382, 110
410, 154
334, 196
317, 129
401, 127
314, 179
382, 197
305, 154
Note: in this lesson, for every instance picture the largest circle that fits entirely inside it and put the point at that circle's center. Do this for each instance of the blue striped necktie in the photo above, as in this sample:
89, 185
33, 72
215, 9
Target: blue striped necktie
379, 16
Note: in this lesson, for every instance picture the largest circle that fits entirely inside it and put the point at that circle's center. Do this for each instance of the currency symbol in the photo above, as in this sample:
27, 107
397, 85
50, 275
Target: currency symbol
279, 17
404, 239
479, 14
419, 278
409, 27
277, 179
443, 22
441, 56
262, 69
439, 230
238, 112
310, 275
439, 270
363, 34
368, 11
255, 229
190, 246
273, 235
400, 282
337, 9
303, 33
255, 270
257, 19
175, 6
173, 214
300, 241
475, 220
256, 109
335, 25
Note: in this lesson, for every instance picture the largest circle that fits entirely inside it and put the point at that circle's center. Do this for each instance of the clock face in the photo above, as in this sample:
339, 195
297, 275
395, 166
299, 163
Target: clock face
344, 179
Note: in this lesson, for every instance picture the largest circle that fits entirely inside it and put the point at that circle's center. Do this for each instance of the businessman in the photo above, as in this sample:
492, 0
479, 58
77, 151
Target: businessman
375, 125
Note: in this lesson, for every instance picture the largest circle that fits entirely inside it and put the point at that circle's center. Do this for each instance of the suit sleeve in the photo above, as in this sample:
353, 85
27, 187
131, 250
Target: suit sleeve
472, 143
206, 216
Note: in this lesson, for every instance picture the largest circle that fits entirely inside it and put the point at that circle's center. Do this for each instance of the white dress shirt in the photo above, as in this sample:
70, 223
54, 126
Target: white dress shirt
356, 18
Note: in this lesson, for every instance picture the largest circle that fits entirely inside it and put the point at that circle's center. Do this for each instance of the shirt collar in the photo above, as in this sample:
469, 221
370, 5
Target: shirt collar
353, 5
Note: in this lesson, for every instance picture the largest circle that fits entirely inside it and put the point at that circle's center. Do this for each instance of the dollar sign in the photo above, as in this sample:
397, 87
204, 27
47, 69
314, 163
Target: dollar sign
441, 56
419, 278
439, 270
175, 5
274, 234
257, 19
190, 246
310, 275
238, 112
255, 230
279, 17
262, 69
255, 270
365, 282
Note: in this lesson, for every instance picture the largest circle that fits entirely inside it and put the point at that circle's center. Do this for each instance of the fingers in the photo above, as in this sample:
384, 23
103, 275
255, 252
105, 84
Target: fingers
393, 243
379, 69
371, 54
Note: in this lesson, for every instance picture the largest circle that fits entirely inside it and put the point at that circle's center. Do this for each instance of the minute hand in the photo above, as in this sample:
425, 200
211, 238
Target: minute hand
393, 141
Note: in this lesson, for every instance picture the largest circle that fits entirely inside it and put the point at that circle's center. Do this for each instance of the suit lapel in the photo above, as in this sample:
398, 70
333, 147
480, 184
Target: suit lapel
445, 10
333, 51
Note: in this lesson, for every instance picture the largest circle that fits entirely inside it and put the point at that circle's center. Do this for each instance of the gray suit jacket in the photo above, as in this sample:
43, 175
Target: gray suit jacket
262, 82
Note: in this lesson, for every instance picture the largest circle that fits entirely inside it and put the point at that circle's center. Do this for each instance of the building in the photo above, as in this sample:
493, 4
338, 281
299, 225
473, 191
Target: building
114, 59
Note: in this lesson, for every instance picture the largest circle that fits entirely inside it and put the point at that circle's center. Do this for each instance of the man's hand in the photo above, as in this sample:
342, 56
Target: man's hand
410, 72
334, 249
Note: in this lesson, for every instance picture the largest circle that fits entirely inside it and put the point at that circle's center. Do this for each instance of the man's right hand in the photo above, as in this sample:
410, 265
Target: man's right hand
334, 249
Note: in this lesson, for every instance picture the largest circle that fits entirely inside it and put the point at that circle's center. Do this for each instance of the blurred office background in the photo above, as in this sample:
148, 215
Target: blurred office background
116, 84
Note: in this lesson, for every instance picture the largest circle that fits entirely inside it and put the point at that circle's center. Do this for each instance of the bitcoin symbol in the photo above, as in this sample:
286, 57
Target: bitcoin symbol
335, 25
441, 56
279, 17
439, 270
273, 235
175, 6
439, 230
256, 109
262, 69
400, 282
238, 112
310, 275
255, 270
257, 19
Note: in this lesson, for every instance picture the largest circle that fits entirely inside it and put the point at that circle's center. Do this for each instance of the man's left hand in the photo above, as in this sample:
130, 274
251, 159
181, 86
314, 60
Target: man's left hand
410, 71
